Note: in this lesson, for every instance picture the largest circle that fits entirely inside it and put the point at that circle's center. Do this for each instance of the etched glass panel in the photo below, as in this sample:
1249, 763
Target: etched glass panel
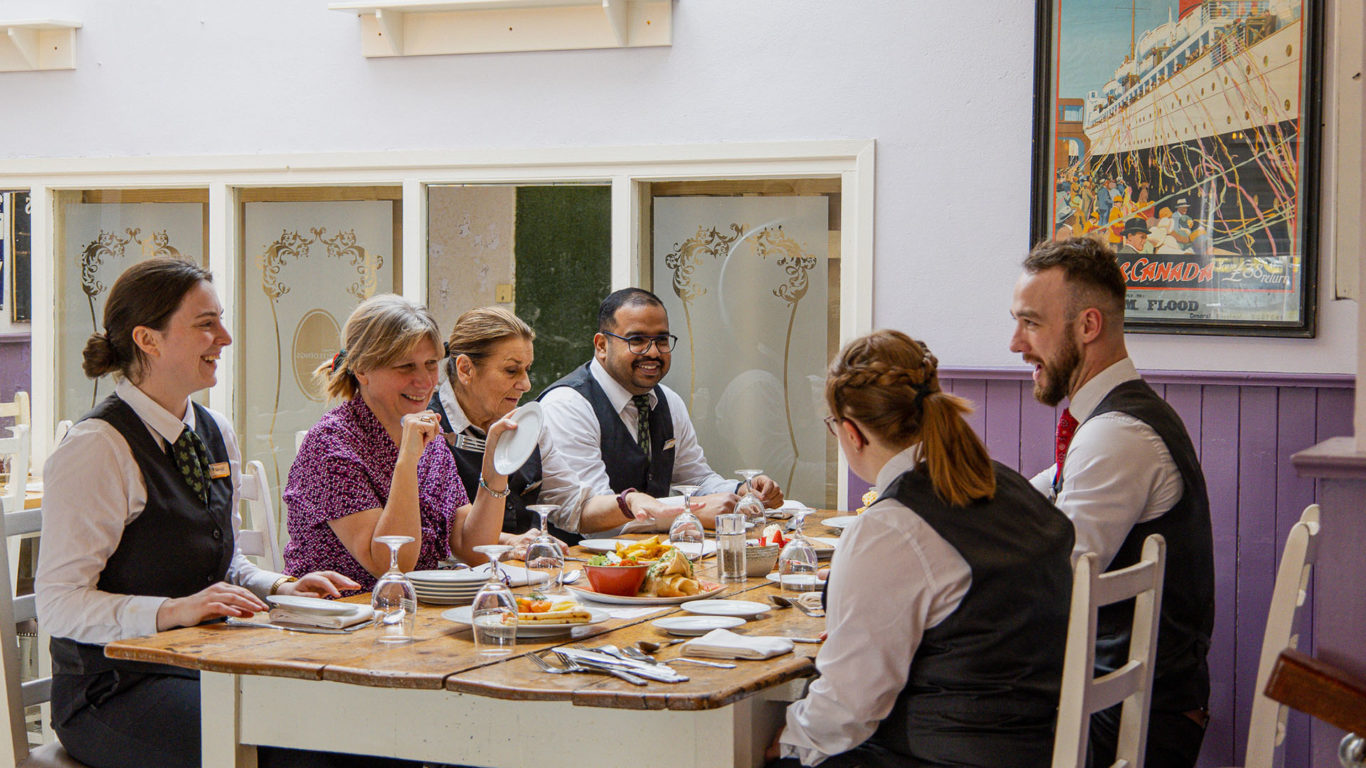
99, 234
305, 266
752, 293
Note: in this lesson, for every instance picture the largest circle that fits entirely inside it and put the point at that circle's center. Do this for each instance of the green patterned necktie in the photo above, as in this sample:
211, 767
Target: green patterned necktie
642, 403
192, 459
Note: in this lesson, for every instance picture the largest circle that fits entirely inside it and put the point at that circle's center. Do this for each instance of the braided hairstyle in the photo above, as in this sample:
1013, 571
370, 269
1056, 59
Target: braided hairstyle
888, 383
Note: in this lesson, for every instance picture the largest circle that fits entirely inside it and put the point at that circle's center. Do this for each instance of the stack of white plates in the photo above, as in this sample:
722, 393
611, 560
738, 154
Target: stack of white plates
447, 587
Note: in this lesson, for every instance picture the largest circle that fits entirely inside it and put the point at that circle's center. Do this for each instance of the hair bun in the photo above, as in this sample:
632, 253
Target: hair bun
99, 355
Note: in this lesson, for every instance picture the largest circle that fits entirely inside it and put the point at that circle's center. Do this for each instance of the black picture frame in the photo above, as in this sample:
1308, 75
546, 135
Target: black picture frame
1216, 107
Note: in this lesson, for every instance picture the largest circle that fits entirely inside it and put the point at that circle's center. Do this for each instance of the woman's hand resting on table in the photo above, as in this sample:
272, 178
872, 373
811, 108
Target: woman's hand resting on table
213, 602
520, 541
317, 584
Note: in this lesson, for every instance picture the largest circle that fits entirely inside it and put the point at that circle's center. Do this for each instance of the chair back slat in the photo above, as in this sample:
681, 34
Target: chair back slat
18, 409
24, 521
36, 692
25, 608
256, 492
1266, 729
16, 447
14, 748
1082, 692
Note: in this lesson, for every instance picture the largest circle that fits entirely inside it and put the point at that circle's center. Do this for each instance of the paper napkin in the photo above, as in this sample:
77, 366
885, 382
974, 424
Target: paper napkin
724, 644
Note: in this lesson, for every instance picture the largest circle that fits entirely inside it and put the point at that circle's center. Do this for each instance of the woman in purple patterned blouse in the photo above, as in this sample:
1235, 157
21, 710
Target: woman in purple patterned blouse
371, 466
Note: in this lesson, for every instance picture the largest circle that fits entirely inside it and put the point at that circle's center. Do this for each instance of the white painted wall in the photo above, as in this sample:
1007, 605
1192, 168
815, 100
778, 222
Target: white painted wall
944, 87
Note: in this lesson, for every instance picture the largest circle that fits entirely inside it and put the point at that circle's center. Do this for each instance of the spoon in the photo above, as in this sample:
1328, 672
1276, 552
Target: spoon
570, 578
639, 655
784, 602
649, 647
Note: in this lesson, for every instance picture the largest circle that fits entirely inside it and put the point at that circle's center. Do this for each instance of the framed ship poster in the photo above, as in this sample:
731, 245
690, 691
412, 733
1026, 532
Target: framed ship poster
1183, 133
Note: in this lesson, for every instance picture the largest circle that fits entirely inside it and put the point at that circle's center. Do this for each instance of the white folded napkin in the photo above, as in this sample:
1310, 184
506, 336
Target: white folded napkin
283, 615
811, 601
724, 644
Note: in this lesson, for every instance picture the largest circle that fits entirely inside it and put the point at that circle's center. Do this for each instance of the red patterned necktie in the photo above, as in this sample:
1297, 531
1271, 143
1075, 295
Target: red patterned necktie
1067, 427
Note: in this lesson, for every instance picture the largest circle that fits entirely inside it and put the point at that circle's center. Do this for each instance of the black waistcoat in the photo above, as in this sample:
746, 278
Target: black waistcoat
176, 547
1181, 674
525, 483
983, 686
627, 465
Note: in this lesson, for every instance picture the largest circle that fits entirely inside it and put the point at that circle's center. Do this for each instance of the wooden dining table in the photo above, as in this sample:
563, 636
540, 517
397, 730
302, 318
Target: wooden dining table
438, 700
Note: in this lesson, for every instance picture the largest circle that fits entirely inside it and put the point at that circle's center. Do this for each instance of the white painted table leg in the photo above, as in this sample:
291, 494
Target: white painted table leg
220, 723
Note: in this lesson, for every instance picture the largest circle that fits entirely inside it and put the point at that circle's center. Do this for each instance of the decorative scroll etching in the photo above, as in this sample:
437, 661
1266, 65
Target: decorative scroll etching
746, 271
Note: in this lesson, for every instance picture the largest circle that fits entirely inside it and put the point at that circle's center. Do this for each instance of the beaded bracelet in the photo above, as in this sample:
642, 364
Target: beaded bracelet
493, 493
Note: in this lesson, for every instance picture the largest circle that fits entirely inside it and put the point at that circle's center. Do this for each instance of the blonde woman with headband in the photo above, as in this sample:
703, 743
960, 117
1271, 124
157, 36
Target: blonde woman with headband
375, 466
947, 603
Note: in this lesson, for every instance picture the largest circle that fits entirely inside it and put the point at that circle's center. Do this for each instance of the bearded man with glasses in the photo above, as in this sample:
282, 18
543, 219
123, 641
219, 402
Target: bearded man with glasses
625, 437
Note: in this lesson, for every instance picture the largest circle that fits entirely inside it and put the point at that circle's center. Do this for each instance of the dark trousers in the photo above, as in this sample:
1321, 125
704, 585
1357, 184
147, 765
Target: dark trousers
865, 755
119, 719
1173, 739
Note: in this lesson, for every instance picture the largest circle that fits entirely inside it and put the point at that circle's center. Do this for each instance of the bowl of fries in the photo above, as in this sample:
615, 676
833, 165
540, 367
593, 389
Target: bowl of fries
643, 551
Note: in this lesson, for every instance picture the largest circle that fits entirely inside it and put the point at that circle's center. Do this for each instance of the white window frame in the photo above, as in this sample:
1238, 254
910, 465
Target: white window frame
625, 168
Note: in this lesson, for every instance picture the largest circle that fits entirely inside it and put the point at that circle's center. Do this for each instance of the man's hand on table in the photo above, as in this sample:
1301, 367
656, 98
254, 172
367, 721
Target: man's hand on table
660, 516
766, 488
318, 584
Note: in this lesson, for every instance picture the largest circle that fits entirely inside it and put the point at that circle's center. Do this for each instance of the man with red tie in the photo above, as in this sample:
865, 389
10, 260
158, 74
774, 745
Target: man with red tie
1125, 469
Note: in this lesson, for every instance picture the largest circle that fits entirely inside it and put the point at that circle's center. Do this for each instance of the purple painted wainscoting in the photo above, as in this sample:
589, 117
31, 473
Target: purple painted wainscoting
1245, 427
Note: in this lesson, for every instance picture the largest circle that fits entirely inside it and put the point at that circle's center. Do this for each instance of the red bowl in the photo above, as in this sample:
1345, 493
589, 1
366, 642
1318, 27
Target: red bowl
621, 580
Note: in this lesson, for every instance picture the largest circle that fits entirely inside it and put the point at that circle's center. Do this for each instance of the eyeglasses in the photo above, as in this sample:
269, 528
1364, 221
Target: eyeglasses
830, 422
640, 345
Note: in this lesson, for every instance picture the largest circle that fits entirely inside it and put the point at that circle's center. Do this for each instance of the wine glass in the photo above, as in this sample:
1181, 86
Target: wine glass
797, 561
686, 532
393, 598
493, 614
543, 554
750, 505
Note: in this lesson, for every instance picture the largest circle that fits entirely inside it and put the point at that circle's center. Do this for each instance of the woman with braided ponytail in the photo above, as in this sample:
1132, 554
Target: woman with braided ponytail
947, 603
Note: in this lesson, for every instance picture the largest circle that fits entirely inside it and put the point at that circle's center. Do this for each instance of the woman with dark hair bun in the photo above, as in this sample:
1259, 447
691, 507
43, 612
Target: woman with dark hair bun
947, 603
139, 526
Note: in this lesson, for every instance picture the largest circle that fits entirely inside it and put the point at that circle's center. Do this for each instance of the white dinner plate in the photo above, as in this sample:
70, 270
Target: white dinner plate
448, 577
313, 605
801, 579
839, 523
588, 594
696, 626
824, 545
726, 607
515, 446
462, 615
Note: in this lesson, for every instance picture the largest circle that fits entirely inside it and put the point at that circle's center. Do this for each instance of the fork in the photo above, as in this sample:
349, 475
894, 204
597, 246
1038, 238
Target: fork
573, 665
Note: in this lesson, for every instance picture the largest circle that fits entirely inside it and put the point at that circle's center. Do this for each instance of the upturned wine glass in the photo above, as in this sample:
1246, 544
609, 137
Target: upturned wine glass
750, 505
686, 532
543, 554
797, 561
493, 614
393, 598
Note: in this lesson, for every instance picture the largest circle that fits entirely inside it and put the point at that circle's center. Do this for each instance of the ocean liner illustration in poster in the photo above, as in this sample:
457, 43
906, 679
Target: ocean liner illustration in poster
1178, 137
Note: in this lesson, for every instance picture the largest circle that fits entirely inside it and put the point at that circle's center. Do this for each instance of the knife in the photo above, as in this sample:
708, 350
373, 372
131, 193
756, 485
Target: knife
233, 621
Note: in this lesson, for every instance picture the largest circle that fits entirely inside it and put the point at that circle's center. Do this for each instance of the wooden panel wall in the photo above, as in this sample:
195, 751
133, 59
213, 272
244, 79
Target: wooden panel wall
1246, 428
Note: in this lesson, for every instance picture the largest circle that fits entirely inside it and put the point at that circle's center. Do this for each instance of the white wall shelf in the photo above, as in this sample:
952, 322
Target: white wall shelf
428, 27
36, 44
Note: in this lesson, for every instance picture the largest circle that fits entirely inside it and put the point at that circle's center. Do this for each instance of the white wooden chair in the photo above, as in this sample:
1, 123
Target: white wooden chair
18, 696
16, 449
1082, 692
1266, 730
18, 409
63, 427
260, 540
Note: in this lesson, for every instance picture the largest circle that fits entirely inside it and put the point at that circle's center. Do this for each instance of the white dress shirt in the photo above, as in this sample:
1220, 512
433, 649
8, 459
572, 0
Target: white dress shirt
570, 496
572, 428
93, 490
892, 578
1117, 473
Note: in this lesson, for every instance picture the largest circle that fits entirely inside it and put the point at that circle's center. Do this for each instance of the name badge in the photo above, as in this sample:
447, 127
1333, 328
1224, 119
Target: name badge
218, 470
669, 444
